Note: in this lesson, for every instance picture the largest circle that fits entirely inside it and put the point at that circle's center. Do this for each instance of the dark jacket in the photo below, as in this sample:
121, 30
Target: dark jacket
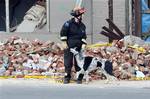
73, 33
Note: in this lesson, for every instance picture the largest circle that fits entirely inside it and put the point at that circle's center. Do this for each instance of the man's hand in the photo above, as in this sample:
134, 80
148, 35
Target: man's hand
64, 45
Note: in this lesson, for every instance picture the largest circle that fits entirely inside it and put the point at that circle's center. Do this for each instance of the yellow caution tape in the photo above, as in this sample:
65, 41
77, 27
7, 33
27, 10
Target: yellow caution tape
99, 45
31, 77
6, 77
139, 49
59, 79
3, 77
35, 77
140, 78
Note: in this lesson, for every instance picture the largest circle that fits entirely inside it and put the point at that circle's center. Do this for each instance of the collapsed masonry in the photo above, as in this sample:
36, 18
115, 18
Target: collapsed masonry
20, 57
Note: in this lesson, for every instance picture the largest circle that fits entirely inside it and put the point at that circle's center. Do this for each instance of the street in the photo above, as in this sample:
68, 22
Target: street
37, 89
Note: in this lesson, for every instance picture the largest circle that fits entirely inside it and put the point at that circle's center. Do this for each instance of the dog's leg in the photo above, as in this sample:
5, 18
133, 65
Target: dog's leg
77, 75
86, 74
79, 72
109, 78
106, 75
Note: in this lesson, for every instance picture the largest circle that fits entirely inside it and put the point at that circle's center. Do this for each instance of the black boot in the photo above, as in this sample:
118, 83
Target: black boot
79, 80
67, 79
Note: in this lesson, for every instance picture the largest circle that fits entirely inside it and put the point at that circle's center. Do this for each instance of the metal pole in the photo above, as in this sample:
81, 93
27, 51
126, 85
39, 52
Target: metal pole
127, 16
110, 3
130, 17
7, 16
133, 17
110, 14
92, 41
48, 14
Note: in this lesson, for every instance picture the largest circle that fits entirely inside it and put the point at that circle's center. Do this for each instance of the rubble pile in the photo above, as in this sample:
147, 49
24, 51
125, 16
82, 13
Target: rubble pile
23, 57
128, 61
20, 57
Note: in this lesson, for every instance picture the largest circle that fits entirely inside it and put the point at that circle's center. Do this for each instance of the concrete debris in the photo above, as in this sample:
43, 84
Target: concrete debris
20, 57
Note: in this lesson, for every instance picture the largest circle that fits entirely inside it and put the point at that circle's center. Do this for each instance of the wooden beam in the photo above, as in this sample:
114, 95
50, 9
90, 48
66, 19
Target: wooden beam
118, 31
107, 35
114, 35
136, 18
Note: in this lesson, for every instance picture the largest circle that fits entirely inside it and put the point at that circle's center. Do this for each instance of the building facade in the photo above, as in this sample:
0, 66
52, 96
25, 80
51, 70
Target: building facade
97, 12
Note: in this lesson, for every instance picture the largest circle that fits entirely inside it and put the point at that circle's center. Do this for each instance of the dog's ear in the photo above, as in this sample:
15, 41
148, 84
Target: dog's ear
96, 58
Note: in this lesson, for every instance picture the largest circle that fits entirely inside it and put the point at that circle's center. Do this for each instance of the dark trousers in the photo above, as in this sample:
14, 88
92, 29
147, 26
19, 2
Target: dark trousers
68, 61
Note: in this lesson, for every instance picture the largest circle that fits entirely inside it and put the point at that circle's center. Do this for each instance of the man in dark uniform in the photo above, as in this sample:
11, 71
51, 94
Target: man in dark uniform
73, 34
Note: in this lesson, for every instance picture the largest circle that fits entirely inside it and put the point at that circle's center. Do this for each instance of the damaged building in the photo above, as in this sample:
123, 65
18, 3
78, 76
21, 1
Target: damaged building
130, 16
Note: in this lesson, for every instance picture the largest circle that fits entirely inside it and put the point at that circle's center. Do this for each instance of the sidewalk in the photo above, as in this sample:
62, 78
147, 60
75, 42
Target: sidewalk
93, 84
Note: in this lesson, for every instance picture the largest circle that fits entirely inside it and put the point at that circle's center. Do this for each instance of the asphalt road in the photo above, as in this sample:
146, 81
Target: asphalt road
35, 89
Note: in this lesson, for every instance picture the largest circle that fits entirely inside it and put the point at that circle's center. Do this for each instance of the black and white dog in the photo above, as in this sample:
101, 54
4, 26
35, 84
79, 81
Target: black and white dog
88, 64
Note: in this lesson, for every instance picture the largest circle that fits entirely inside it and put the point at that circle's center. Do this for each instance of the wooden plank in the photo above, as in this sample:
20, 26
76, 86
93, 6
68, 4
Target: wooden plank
118, 31
107, 35
112, 37
111, 33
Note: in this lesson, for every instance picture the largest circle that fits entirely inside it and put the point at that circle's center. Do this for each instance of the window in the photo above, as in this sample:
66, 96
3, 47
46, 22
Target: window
24, 15
149, 4
2, 16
